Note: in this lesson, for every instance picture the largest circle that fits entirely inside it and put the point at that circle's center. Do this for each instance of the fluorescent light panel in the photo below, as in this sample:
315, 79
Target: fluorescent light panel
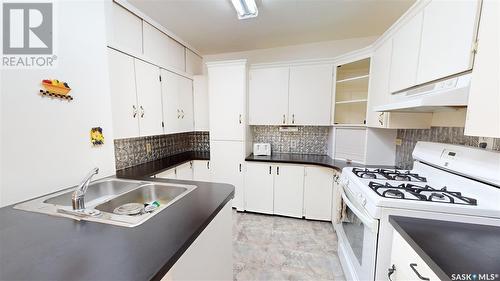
245, 8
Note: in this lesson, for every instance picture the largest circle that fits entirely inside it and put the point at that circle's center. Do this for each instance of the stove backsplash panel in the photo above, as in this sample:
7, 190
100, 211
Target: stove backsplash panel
134, 151
306, 140
453, 135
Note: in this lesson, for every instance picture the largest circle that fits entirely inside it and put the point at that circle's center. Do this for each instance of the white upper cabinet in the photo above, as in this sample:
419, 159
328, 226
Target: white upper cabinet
123, 95
227, 100
448, 34
125, 30
149, 98
177, 96
200, 96
310, 95
268, 96
379, 85
405, 54
194, 63
176, 55
163, 50
483, 111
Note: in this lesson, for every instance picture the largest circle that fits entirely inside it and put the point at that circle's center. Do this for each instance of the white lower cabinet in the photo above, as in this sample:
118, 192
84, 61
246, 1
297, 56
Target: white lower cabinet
318, 184
407, 264
227, 159
289, 190
259, 193
201, 170
181, 172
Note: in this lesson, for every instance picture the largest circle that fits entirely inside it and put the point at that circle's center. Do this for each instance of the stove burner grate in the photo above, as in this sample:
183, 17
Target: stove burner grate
388, 174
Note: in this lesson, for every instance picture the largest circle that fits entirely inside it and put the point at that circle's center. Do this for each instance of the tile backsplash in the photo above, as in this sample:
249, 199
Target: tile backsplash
135, 151
306, 140
453, 135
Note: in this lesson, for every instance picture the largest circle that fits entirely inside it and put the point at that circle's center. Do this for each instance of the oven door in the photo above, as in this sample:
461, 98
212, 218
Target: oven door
357, 235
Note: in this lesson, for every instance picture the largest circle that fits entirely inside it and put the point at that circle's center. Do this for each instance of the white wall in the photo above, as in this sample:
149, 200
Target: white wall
44, 142
326, 49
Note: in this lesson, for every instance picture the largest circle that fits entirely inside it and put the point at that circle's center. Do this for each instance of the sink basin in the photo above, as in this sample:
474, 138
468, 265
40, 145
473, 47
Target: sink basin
105, 195
144, 194
101, 190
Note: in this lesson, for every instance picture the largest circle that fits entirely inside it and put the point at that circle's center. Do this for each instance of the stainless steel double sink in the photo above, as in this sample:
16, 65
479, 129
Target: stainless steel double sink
106, 195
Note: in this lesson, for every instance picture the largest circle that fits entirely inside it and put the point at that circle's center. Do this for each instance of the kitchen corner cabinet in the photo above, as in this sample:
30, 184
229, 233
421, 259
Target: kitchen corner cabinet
227, 164
227, 86
407, 263
483, 111
310, 95
181, 172
202, 170
289, 190
135, 96
318, 184
177, 97
268, 96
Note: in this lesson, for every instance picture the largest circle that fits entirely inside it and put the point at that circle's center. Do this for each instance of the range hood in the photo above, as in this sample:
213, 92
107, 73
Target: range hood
445, 94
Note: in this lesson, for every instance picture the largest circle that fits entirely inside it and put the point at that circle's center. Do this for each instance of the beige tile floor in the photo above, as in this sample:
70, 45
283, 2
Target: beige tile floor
280, 248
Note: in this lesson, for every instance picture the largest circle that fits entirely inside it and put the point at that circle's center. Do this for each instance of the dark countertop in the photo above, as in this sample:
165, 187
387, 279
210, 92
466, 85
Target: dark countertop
160, 165
308, 159
452, 247
37, 246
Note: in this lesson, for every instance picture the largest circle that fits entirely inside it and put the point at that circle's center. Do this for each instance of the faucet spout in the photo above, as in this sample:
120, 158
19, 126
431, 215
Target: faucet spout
78, 196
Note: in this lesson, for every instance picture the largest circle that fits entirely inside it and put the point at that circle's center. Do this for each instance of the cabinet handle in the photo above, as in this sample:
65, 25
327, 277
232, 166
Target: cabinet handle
391, 270
240, 119
380, 118
142, 111
190, 164
278, 170
182, 111
208, 165
178, 114
240, 168
269, 169
413, 265
293, 118
134, 111
284, 119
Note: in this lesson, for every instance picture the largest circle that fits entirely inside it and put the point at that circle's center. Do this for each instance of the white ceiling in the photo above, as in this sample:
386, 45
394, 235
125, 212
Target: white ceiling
211, 26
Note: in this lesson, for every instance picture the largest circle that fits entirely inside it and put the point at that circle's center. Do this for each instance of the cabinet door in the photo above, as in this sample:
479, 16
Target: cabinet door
171, 87
448, 34
123, 95
318, 183
156, 45
168, 174
149, 98
268, 96
379, 85
289, 190
405, 53
185, 171
259, 188
483, 111
186, 104
125, 30
194, 63
176, 55
202, 171
227, 96
200, 96
227, 159
310, 98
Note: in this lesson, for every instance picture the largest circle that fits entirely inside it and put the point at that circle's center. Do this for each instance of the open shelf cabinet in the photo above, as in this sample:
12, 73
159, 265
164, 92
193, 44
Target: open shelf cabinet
351, 92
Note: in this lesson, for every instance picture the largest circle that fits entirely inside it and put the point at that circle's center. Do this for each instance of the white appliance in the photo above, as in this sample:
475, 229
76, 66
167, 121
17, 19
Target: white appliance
447, 182
449, 93
262, 149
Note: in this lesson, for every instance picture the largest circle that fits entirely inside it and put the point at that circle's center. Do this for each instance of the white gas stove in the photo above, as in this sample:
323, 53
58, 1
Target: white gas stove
447, 182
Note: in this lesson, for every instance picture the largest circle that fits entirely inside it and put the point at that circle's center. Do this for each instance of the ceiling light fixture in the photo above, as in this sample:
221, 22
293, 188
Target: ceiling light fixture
246, 9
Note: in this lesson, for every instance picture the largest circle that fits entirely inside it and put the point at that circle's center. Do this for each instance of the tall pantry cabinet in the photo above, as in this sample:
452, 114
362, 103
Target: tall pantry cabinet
227, 86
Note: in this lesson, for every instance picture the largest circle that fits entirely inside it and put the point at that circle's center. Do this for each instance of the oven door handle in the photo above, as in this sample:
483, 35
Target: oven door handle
363, 216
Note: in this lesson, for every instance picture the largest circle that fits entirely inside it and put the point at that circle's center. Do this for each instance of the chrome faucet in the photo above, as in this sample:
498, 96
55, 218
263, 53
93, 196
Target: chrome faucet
78, 197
